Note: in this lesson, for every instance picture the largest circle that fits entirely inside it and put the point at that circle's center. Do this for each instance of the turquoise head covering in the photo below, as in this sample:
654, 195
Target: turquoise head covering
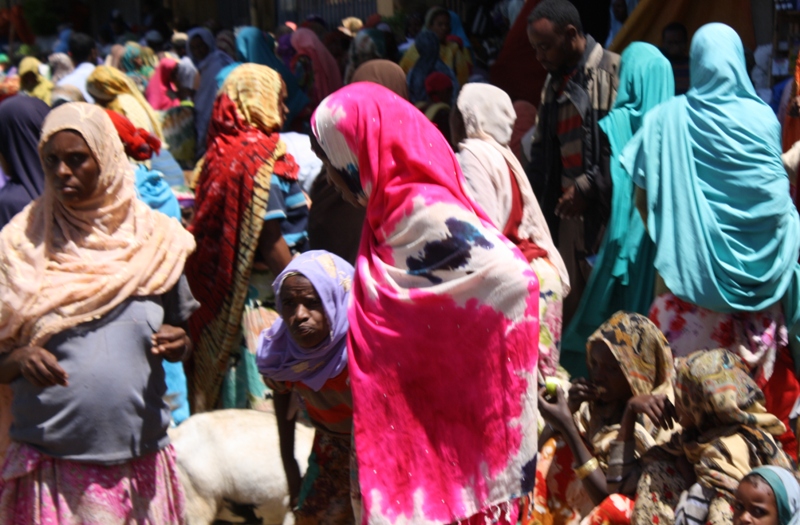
623, 274
253, 45
154, 191
727, 233
787, 492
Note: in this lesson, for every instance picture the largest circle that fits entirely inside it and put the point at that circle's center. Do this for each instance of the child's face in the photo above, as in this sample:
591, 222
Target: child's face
303, 313
754, 503
606, 374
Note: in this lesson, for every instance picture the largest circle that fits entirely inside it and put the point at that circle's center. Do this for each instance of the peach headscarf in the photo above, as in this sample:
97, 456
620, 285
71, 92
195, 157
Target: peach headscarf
61, 266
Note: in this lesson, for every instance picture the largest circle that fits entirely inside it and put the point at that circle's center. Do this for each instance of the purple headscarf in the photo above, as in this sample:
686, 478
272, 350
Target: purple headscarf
285, 49
279, 357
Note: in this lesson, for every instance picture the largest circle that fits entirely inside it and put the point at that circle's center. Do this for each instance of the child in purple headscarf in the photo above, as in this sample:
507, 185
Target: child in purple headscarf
305, 351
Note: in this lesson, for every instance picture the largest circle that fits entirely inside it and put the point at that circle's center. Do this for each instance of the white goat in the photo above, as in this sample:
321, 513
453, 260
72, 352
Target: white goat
231, 458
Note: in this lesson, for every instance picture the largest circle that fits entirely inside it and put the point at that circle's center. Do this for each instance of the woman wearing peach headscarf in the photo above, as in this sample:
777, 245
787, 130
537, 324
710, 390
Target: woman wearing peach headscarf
92, 298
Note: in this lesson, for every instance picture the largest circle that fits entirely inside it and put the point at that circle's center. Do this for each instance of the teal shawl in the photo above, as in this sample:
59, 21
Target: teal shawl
253, 45
727, 234
786, 490
623, 276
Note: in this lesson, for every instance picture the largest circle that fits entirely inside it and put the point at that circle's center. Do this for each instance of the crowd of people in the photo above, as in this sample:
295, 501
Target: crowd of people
490, 312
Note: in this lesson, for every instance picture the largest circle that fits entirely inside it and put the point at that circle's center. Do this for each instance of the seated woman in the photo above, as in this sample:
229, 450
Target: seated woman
481, 126
608, 424
93, 299
726, 433
305, 351
767, 496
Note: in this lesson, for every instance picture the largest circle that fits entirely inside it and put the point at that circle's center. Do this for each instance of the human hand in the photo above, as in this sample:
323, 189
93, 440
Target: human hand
171, 343
555, 410
571, 204
658, 408
581, 391
40, 367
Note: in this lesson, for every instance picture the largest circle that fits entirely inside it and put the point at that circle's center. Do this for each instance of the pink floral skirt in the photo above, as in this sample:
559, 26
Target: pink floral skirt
38, 489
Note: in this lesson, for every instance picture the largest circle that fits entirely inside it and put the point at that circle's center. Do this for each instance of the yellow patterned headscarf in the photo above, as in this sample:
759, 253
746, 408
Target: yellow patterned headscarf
44, 88
715, 388
733, 432
642, 352
645, 358
106, 84
258, 92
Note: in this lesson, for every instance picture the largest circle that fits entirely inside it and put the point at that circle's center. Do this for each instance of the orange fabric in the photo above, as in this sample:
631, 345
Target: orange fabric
651, 16
516, 70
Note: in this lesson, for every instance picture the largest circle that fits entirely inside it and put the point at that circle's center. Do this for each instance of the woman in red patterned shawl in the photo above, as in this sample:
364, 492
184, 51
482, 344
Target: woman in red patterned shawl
245, 187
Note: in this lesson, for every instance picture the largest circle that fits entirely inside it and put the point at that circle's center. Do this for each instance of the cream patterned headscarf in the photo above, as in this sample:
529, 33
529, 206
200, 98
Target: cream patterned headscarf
62, 265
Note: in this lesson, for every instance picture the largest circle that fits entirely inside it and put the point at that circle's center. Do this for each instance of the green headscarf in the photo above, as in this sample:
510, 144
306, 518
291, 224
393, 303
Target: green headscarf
623, 275
786, 490
727, 233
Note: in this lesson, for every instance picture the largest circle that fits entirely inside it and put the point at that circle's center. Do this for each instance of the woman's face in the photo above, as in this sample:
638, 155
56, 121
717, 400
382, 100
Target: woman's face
607, 375
303, 313
28, 81
198, 48
335, 176
70, 167
440, 26
754, 503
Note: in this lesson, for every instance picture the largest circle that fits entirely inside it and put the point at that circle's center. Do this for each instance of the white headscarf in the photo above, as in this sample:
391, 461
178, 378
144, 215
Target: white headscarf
485, 159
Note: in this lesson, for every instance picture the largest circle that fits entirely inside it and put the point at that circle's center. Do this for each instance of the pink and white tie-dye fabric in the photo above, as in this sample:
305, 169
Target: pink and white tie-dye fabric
444, 325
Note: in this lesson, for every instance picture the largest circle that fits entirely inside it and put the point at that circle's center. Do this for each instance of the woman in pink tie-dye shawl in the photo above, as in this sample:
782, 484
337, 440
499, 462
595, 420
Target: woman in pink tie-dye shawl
443, 327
